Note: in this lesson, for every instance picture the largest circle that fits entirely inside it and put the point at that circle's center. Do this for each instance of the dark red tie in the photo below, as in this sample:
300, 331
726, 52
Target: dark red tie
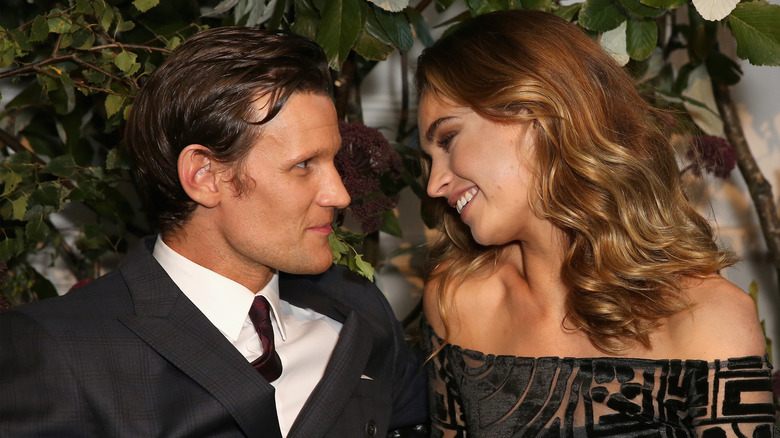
269, 364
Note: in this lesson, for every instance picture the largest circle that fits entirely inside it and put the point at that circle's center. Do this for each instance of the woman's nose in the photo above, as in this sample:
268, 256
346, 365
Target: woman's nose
439, 179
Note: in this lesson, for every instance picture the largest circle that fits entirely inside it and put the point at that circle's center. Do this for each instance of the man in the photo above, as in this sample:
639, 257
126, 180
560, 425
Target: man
234, 137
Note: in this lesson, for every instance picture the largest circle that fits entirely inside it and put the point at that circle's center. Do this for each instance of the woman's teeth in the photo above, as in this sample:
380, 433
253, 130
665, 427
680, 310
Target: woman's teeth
465, 199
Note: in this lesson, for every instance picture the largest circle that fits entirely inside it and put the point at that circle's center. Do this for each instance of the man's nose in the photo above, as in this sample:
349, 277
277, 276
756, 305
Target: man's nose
335, 194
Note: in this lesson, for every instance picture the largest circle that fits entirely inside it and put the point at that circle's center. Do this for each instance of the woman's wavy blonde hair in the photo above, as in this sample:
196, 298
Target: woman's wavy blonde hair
606, 176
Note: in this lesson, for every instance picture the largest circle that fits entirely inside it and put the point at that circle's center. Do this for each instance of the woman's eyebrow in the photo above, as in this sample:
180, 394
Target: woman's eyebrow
434, 126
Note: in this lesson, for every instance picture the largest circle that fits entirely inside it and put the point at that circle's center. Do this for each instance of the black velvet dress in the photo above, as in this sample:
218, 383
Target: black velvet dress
473, 394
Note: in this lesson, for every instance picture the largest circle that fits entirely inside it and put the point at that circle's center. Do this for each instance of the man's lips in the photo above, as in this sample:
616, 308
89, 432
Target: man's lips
325, 228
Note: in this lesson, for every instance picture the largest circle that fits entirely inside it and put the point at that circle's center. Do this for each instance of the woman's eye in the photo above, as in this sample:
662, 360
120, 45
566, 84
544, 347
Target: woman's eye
445, 140
303, 164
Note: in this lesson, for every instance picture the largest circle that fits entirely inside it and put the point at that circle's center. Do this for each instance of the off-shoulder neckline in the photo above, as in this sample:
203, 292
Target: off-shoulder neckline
479, 355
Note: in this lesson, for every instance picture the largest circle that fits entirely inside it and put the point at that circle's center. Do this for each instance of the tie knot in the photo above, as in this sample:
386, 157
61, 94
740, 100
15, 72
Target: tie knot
260, 313
269, 364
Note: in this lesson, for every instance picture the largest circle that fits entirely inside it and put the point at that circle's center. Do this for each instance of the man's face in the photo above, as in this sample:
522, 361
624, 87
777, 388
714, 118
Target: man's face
283, 218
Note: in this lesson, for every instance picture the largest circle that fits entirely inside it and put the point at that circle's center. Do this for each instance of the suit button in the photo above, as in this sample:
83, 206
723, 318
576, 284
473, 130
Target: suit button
371, 428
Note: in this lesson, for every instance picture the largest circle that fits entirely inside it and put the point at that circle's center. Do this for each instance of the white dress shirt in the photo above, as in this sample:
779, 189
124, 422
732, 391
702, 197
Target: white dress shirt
304, 338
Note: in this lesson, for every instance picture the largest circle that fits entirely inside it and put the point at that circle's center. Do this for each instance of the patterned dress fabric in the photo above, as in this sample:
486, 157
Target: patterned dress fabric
473, 394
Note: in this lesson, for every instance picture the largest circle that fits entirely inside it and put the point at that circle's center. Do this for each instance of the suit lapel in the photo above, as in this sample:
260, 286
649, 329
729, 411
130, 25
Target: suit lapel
172, 325
341, 376
347, 363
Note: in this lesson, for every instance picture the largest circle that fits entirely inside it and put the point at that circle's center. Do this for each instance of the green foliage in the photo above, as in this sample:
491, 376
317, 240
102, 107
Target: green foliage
755, 25
343, 243
71, 69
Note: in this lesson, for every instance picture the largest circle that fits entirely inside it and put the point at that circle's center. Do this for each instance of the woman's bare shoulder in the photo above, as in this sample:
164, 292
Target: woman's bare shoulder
722, 322
476, 294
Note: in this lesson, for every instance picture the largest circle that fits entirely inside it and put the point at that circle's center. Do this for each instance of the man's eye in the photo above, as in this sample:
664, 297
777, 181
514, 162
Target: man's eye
303, 164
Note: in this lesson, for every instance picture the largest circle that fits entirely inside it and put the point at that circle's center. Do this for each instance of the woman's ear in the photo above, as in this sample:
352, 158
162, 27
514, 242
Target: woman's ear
197, 175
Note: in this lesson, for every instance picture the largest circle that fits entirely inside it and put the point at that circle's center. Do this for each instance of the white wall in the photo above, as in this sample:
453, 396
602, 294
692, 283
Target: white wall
758, 100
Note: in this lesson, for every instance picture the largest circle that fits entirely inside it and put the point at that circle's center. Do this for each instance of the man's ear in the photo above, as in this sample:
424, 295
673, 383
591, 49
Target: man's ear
198, 176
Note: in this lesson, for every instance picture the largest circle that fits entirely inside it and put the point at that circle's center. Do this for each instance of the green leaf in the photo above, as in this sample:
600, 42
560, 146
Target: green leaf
66, 41
113, 104
83, 39
18, 162
10, 246
19, 206
84, 7
420, 27
278, 14
70, 95
8, 50
371, 48
755, 27
117, 158
63, 166
568, 12
124, 25
59, 24
664, 4
87, 190
537, 5
601, 15
145, 5
397, 29
21, 39
173, 43
39, 30
344, 24
683, 75
337, 245
373, 27
126, 61
641, 38
50, 193
306, 19
36, 230
106, 18
638, 9
11, 182
363, 267
479, 7
391, 5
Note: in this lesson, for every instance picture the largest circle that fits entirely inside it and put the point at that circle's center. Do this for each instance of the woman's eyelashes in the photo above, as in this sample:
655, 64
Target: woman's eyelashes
445, 140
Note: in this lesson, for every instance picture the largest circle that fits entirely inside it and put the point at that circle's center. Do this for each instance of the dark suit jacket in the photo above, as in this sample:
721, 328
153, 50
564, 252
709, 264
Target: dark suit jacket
131, 356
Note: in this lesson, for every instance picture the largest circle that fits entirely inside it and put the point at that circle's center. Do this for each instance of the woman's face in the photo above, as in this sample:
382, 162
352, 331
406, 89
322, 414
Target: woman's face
481, 167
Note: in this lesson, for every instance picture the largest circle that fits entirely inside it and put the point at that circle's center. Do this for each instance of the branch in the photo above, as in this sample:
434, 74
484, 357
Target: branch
760, 189
404, 119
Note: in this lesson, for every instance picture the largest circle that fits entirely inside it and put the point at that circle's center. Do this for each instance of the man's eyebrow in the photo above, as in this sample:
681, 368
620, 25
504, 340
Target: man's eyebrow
307, 155
434, 126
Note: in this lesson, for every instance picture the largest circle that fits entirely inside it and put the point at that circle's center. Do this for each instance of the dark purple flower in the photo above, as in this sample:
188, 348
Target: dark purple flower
712, 154
365, 157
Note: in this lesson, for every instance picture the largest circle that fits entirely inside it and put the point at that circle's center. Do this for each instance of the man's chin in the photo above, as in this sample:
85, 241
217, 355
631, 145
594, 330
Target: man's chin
313, 266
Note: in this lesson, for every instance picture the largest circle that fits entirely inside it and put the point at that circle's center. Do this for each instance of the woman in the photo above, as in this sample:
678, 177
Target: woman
574, 290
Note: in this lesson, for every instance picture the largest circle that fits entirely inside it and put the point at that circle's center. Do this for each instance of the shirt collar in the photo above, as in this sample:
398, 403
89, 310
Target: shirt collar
223, 301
